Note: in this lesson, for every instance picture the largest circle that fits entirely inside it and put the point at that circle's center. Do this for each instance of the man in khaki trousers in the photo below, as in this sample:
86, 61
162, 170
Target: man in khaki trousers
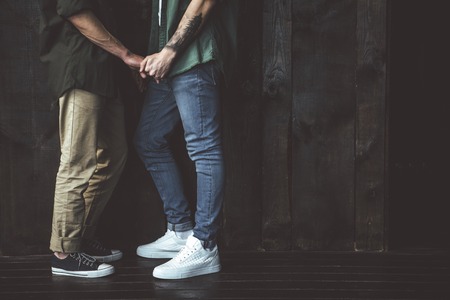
78, 48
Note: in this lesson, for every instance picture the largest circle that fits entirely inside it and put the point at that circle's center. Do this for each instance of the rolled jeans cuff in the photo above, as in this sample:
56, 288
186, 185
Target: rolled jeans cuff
180, 227
207, 244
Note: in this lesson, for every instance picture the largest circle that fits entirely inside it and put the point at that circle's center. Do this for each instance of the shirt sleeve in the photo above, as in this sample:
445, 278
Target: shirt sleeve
67, 8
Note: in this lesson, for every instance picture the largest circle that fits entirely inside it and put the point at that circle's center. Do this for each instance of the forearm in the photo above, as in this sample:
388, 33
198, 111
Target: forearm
194, 18
91, 27
190, 25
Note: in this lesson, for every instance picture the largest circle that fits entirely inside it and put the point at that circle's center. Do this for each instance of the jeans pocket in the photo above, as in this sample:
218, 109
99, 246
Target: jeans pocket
209, 72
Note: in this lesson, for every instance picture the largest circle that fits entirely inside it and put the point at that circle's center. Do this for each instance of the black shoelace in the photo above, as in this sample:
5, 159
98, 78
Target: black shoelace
97, 246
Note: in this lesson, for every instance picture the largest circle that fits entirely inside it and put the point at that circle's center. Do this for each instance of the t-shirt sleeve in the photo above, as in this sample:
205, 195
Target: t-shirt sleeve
67, 8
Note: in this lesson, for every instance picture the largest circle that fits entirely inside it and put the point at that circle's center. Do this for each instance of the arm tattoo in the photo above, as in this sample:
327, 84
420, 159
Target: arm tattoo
182, 38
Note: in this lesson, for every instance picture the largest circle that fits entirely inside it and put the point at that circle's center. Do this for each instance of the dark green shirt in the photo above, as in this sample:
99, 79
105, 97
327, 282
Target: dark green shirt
217, 40
73, 61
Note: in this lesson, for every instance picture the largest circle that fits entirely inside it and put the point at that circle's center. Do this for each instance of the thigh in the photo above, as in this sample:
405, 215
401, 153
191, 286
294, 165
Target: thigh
197, 96
111, 134
79, 120
159, 115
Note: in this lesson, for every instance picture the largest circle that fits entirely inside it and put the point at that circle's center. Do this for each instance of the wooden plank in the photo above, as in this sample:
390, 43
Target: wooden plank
324, 54
217, 285
242, 136
419, 126
27, 134
370, 125
277, 110
266, 277
246, 275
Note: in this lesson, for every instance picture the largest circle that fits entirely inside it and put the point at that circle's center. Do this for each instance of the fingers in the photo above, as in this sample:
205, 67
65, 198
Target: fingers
148, 67
153, 66
151, 70
143, 64
139, 61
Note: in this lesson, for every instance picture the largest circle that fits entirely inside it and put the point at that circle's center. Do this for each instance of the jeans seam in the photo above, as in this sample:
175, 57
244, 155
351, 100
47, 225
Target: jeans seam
155, 172
210, 196
200, 103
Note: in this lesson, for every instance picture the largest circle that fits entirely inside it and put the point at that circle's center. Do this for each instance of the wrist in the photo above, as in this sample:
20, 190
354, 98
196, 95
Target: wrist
168, 53
125, 54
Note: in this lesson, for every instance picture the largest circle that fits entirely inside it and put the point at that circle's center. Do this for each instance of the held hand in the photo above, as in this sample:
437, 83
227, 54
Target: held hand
157, 65
141, 83
142, 67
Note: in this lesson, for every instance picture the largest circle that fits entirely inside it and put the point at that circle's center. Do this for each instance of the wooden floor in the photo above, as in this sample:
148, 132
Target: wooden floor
279, 275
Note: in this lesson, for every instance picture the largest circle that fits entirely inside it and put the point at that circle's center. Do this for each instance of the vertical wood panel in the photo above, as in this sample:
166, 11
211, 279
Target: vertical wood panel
277, 110
242, 136
419, 125
27, 134
323, 124
370, 125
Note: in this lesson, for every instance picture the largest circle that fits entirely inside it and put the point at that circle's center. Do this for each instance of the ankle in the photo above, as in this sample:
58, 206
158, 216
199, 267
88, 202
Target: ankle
183, 234
61, 255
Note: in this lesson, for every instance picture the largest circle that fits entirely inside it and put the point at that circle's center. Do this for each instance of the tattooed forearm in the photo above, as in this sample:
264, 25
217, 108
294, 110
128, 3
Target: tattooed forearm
183, 36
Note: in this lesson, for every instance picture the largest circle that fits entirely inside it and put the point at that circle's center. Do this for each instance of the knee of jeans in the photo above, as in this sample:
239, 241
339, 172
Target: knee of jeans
141, 146
209, 152
147, 146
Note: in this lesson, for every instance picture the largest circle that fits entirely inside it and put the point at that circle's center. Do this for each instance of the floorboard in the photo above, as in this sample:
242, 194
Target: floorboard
245, 275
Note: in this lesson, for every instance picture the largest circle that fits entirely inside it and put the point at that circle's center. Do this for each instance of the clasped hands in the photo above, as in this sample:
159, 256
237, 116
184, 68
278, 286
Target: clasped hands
157, 65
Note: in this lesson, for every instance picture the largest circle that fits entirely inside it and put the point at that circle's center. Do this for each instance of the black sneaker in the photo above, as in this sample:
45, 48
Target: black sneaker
80, 265
99, 252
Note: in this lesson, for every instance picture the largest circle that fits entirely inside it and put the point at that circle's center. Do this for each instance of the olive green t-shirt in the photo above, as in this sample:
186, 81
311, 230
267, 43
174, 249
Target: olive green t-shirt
216, 42
72, 60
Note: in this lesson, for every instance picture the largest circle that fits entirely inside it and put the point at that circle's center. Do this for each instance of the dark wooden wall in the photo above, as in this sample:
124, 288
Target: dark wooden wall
304, 132
28, 144
419, 125
324, 91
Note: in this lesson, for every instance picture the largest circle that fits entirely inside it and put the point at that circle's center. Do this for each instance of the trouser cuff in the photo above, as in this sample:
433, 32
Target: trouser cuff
65, 245
209, 244
180, 227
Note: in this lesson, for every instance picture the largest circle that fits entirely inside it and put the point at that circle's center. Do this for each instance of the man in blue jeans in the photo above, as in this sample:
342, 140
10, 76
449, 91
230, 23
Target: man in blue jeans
191, 45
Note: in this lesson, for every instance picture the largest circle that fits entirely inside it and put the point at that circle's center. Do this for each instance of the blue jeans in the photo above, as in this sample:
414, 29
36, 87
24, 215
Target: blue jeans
193, 98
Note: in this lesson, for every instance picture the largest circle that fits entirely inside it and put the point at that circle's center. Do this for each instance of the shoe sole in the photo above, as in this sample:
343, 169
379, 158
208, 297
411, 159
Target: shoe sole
161, 274
84, 274
155, 254
109, 258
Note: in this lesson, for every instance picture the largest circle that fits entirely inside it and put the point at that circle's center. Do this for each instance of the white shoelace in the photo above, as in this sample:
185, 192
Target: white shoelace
185, 253
84, 259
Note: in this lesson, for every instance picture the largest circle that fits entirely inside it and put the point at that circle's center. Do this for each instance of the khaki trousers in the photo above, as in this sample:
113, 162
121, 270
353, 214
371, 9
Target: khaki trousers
93, 154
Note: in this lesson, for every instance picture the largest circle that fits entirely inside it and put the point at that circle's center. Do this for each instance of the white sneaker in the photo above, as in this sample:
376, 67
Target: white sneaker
192, 260
166, 246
